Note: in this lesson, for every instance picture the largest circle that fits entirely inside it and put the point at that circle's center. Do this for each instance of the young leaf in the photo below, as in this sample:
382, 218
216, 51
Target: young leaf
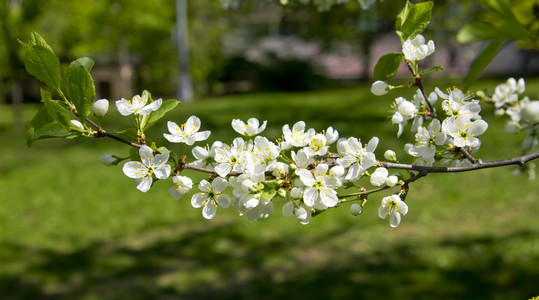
41, 119
387, 66
270, 189
51, 130
431, 70
480, 31
482, 61
86, 62
79, 86
56, 111
500, 7
37, 40
158, 114
41, 63
413, 19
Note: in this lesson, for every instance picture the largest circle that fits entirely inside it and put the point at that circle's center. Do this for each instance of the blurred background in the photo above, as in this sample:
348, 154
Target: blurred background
71, 228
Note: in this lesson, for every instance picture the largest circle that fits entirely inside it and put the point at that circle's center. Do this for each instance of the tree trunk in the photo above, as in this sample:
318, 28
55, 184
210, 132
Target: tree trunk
185, 85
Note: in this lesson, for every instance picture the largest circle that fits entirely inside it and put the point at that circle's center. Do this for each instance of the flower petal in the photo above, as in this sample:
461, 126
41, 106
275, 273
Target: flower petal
134, 169
123, 107
162, 172
402, 208
223, 200
199, 199
209, 211
238, 126
395, 219
328, 197
144, 184
310, 195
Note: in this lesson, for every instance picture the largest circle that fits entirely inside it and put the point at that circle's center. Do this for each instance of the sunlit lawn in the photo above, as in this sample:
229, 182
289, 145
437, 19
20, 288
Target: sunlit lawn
72, 228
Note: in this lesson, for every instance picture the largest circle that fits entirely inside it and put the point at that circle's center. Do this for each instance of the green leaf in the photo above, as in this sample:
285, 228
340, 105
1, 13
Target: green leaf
41, 119
270, 189
413, 19
128, 134
387, 66
57, 112
482, 61
37, 40
500, 7
431, 70
41, 63
86, 62
51, 130
155, 116
55, 109
480, 31
79, 86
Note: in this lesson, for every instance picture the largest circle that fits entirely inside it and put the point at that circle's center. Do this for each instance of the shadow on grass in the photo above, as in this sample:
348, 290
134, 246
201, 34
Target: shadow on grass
220, 263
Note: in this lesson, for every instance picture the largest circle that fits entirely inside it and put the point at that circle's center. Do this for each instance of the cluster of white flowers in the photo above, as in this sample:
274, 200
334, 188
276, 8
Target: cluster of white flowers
300, 167
250, 172
522, 113
441, 137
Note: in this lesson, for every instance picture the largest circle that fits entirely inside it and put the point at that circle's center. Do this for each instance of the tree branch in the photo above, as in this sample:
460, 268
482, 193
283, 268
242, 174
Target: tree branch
521, 160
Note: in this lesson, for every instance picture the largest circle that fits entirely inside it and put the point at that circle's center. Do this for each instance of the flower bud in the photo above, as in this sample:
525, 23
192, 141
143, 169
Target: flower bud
499, 112
293, 168
100, 107
77, 124
281, 193
108, 160
379, 88
379, 177
356, 209
407, 108
392, 180
530, 112
390, 155
512, 127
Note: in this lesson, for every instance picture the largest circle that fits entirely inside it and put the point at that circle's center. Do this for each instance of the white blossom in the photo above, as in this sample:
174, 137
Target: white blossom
465, 133
186, 133
137, 105
150, 165
297, 137
415, 49
331, 135
355, 157
252, 127
317, 146
182, 185
301, 159
394, 207
230, 159
210, 197
320, 186
508, 92
404, 111
426, 141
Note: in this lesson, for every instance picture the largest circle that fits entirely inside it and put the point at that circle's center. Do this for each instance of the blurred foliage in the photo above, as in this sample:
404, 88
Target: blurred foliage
143, 31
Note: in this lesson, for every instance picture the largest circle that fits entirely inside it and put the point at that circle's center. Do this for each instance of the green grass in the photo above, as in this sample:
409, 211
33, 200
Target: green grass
71, 228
